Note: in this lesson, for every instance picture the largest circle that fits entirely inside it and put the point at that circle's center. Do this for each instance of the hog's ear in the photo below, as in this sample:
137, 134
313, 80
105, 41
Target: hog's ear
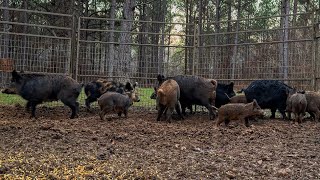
128, 86
231, 85
15, 75
160, 77
214, 82
135, 85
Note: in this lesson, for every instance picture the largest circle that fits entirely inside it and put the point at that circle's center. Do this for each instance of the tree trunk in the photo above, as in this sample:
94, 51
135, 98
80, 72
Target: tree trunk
286, 6
110, 62
125, 37
162, 29
216, 37
5, 52
235, 47
24, 40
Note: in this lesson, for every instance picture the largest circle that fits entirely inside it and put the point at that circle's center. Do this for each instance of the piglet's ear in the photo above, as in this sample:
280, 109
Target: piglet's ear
160, 77
135, 85
15, 75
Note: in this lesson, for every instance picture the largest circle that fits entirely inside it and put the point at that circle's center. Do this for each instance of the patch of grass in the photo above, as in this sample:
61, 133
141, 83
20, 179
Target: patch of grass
144, 95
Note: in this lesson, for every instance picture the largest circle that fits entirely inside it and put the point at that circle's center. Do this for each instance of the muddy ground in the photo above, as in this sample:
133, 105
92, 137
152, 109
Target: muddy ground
55, 147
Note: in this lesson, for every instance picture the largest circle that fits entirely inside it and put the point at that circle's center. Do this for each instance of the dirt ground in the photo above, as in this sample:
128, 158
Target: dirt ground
55, 147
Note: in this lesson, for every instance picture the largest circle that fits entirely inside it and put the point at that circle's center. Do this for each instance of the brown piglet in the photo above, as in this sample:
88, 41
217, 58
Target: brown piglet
238, 111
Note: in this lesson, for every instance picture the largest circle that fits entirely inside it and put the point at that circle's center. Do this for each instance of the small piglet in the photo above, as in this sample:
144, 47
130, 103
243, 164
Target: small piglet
297, 103
238, 111
168, 95
239, 99
116, 102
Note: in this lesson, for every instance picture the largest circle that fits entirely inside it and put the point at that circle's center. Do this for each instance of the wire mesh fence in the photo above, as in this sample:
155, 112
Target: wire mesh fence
88, 48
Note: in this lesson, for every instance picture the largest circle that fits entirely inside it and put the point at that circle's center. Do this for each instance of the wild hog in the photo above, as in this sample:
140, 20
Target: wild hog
313, 104
224, 93
270, 94
238, 111
195, 90
37, 88
239, 99
116, 102
154, 96
296, 103
168, 95
95, 89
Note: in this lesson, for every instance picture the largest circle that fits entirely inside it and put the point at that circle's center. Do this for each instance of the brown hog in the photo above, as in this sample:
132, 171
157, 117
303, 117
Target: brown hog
238, 111
239, 99
168, 95
116, 102
313, 104
296, 103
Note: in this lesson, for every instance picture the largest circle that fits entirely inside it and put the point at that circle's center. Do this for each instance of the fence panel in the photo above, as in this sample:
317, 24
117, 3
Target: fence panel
38, 45
251, 51
123, 50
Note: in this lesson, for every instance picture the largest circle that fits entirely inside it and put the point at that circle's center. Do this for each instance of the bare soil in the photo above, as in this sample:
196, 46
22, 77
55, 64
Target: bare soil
56, 147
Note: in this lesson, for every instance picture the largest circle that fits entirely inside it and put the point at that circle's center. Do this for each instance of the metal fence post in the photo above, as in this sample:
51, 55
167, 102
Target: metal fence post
73, 55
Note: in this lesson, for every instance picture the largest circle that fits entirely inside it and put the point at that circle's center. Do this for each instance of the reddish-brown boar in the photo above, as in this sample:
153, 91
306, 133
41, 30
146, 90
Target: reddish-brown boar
238, 111
168, 95
239, 99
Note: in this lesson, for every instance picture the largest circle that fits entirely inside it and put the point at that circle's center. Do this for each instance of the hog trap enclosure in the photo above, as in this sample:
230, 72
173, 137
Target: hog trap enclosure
88, 48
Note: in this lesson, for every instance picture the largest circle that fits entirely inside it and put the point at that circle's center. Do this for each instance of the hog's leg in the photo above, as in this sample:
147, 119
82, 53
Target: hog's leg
220, 120
226, 122
273, 113
178, 109
160, 112
169, 114
283, 113
211, 113
28, 105
183, 108
125, 113
73, 105
89, 100
246, 122
289, 115
33, 105
104, 111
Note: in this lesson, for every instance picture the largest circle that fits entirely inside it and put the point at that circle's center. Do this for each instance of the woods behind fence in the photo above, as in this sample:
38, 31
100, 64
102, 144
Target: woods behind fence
237, 47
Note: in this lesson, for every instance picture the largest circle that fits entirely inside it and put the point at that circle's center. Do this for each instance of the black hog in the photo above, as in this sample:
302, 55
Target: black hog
270, 94
168, 95
238, 111
116, 102
313, 104
95, 89
38, 88
195, 90
224, 93
297, 104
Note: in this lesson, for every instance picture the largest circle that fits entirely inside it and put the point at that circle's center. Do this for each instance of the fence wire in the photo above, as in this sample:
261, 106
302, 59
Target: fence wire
89, 48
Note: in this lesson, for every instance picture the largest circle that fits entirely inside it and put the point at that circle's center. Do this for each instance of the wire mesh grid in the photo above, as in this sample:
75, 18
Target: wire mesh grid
137, 51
